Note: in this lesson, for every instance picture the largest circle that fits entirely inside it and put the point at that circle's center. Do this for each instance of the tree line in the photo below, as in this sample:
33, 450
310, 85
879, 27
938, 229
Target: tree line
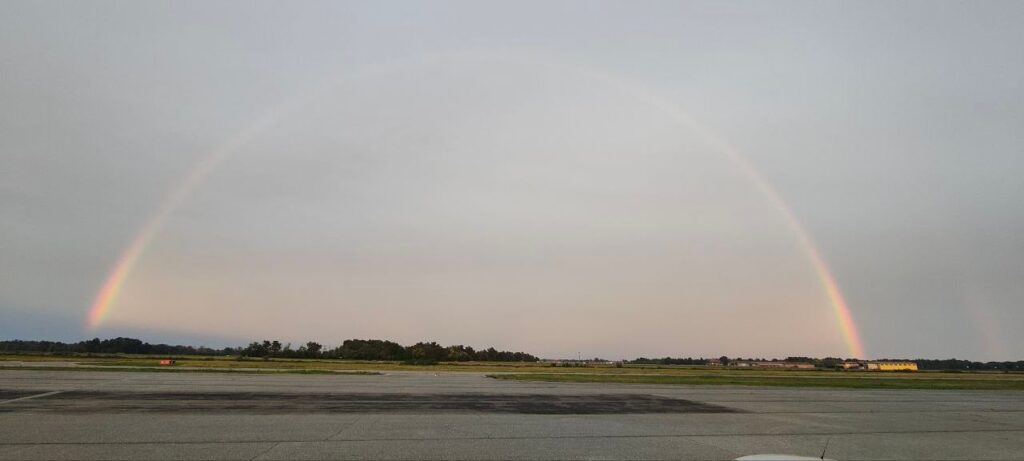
110, 346
668, 361
967, 365
425, 352
351, 349
377, 349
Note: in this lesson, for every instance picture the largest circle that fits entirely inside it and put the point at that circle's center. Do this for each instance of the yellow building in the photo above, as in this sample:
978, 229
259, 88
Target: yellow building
892, 366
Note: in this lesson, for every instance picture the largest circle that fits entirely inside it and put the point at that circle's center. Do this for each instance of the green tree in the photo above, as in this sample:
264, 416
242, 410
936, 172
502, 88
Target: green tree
313, 349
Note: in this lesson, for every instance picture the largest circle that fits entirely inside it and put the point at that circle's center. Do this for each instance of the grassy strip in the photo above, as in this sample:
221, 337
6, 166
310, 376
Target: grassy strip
670, 374
272, 363
794, 380
309, 364
196, 370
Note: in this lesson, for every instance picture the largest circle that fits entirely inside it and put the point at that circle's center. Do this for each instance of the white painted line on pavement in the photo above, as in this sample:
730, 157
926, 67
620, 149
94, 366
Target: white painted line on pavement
44, 394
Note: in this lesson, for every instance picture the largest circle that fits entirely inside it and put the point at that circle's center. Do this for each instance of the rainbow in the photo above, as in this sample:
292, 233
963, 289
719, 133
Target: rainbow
847, 326
112, 286
114, 283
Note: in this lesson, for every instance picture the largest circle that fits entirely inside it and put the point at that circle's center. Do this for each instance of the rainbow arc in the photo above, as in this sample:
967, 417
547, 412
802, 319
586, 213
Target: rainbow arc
112, 286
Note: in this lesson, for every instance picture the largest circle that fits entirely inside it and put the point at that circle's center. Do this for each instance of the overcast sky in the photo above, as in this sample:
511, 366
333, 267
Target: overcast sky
522, 175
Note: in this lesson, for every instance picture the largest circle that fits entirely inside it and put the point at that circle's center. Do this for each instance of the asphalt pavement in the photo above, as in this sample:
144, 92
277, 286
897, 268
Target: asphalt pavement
407, 415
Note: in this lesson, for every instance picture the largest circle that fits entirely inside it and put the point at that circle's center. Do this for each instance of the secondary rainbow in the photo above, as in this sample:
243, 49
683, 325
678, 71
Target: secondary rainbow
112, 286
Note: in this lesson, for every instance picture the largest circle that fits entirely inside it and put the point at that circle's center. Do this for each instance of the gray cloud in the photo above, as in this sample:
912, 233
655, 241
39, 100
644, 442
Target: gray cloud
471, 177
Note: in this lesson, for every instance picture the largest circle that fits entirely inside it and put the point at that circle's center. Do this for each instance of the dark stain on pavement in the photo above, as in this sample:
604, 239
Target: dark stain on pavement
269, 403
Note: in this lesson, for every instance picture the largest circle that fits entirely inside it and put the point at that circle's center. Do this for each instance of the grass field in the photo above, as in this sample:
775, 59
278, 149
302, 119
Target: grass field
595, 373
227, 363
197, 370
852, 380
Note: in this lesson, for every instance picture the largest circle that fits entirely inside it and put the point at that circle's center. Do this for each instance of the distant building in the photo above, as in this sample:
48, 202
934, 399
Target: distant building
714, 363
767, 364
854, 365
892, 366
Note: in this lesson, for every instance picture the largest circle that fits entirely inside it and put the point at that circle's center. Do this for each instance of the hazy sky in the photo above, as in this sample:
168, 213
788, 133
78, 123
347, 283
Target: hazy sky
520, 175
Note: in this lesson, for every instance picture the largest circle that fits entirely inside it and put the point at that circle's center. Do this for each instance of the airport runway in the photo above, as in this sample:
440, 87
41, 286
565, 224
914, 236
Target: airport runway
401, 415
